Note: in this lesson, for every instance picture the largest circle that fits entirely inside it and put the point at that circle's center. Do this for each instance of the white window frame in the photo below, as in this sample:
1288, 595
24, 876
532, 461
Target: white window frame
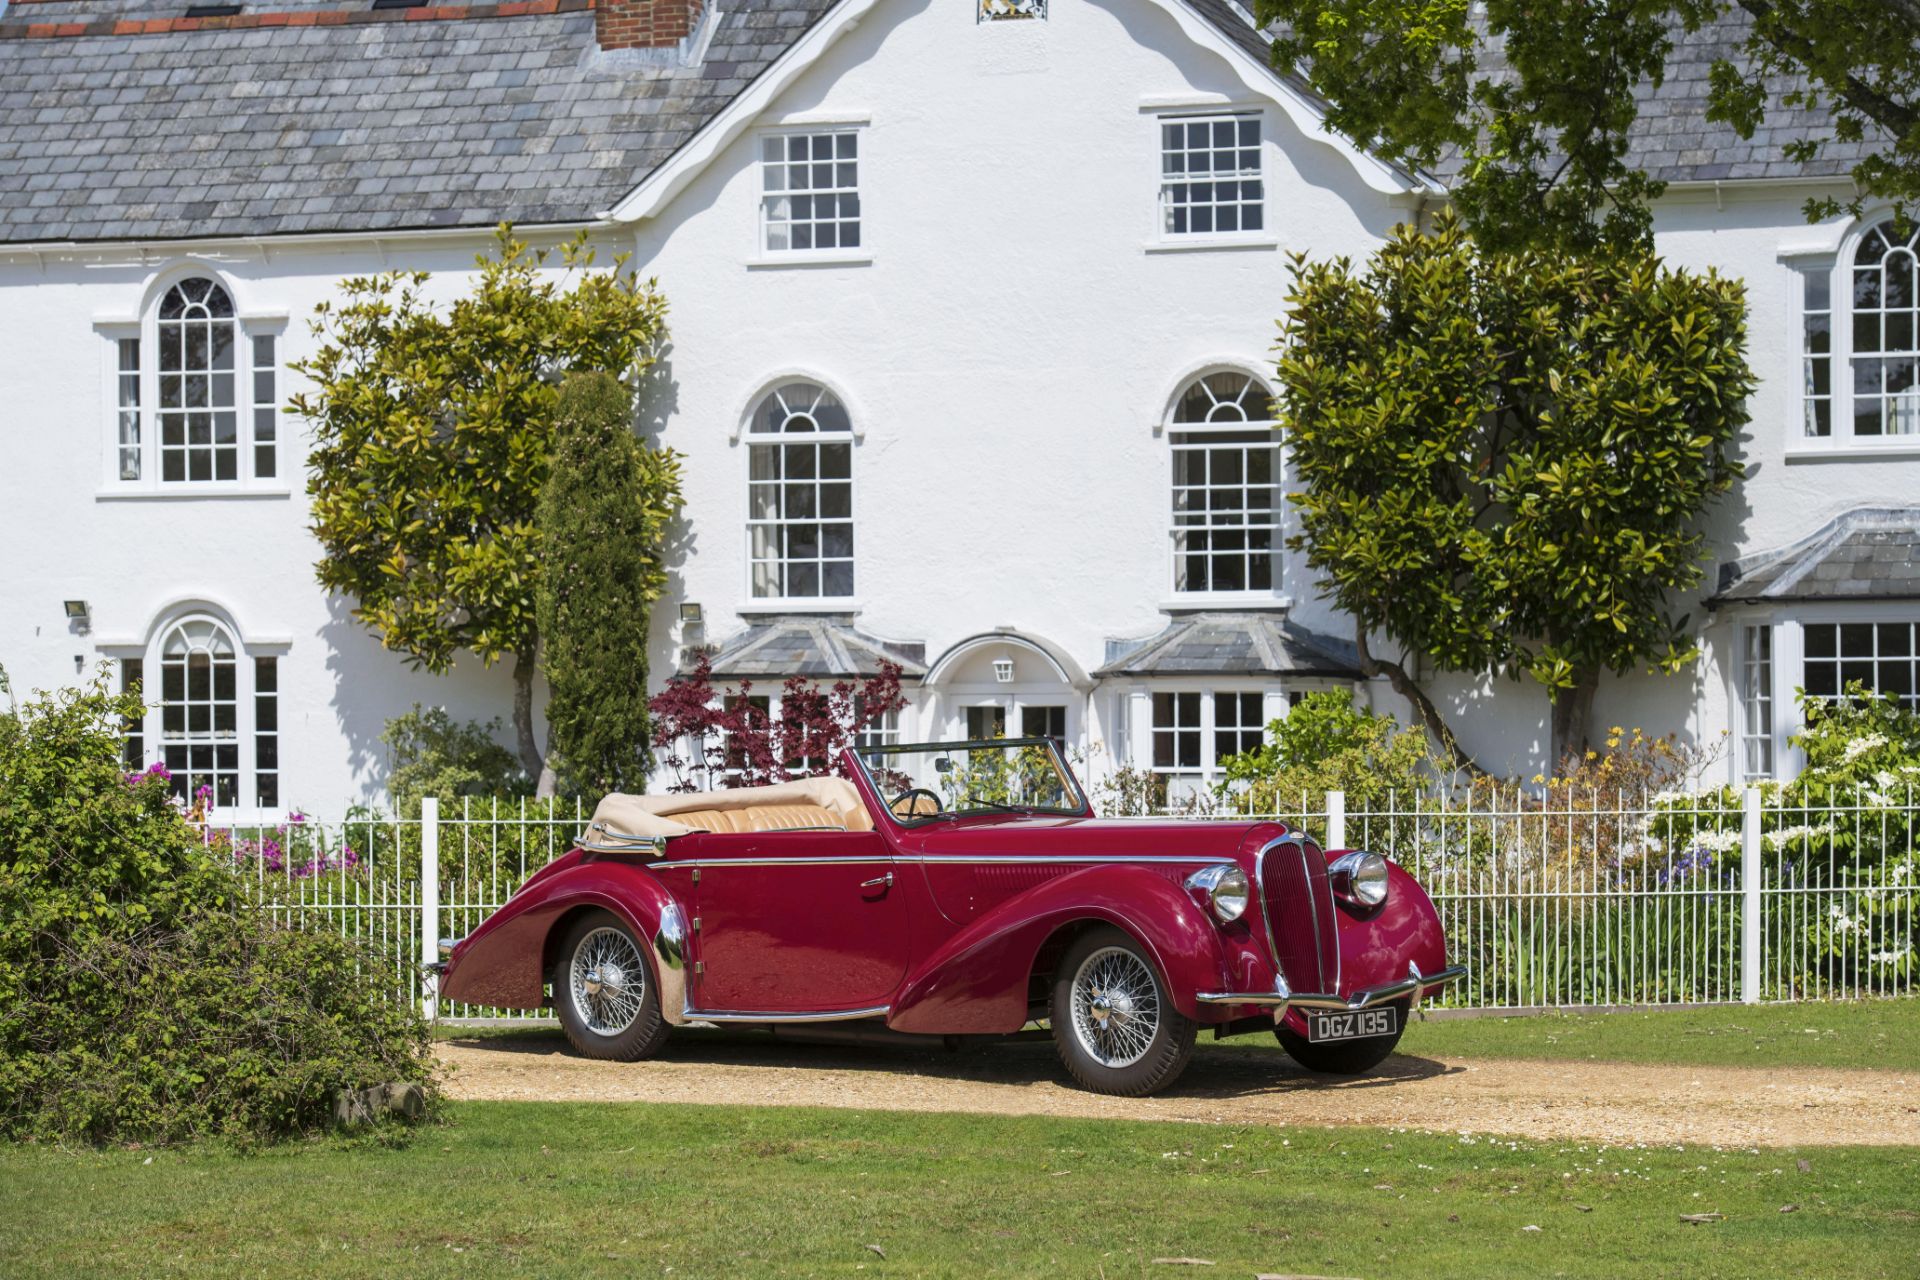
1274, 592
1755, 665
1160, 237
764, 255
1146, 732
1835, 269
247, 728
143, 327
751, 439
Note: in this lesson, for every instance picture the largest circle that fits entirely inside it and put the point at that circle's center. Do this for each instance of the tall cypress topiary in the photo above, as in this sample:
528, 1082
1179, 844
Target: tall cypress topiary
603, 520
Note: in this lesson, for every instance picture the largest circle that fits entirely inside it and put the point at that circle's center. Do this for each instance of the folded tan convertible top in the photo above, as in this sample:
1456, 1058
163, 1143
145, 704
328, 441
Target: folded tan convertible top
622, 819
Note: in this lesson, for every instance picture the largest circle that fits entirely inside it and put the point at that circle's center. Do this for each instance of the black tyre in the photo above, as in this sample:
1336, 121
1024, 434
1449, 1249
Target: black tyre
1115, 1028
1342, 1057
605, 993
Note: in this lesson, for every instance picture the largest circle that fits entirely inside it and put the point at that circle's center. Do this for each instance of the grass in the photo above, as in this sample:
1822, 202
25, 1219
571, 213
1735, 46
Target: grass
1881, 1034
625, 1189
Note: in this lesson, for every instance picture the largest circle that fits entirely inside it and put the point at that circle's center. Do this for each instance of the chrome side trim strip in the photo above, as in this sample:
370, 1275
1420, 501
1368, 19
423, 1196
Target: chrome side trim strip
1415, 985
834, 1015
935, 859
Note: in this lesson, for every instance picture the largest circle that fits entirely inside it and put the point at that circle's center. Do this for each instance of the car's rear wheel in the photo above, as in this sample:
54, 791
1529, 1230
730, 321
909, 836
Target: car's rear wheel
604, 992
1113, 1023
1342, 1057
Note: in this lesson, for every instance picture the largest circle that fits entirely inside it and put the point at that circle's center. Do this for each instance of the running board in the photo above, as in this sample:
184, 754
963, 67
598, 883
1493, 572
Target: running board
719, 1018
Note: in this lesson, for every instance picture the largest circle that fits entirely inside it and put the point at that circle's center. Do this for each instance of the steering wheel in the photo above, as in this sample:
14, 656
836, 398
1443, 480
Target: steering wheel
909, 798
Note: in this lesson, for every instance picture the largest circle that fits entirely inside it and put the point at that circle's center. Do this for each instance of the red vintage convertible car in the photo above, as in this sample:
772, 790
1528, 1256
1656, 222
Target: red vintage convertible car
960, 890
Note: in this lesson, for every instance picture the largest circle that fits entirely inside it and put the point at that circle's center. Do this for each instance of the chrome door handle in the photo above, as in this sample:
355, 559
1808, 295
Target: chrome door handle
878, 881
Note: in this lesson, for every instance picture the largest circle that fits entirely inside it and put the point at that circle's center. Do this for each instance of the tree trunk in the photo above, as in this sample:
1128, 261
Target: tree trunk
1426, 716
525, 663
1573, 717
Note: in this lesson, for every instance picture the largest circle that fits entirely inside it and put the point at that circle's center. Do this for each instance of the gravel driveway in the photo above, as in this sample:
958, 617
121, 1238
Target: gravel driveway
1605, 1102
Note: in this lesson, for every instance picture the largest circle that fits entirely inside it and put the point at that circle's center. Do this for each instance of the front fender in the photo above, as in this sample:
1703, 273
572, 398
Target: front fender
1375, 949
976, 983
501, 963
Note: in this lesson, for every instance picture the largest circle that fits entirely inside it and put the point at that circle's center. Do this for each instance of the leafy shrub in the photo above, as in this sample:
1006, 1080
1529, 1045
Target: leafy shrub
142, 995
430, 754
1326, 743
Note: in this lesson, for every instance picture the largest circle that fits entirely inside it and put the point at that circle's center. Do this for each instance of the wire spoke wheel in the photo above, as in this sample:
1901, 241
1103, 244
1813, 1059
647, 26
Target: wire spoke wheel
607, 981
1116, 1007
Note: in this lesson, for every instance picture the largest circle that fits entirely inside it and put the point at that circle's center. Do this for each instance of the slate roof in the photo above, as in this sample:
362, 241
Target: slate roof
780, 645
1869, 553
364, 126
382, 122
1239, 644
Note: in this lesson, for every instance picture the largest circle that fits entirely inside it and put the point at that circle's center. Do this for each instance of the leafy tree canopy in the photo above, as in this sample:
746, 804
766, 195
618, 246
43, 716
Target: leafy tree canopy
1506, 456
433, 426
1541, 131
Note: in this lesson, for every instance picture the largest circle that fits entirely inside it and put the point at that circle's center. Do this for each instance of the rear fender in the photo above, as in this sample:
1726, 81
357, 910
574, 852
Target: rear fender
976, 983
503, 962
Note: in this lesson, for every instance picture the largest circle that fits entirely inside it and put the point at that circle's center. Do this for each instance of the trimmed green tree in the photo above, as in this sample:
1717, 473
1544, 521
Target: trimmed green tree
1540, 132
1505, 457
432, 431
603, 525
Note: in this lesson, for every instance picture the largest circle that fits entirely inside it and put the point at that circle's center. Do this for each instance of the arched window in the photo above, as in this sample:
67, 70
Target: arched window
1872, 332
195, 395
216, 712
1226, 496
800, 495
200, 710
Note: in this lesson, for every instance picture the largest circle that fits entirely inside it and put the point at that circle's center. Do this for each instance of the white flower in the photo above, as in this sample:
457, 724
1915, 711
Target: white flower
1722, 841
1787, 835
1860, 746
1890, 957
1886, 779
1879, 799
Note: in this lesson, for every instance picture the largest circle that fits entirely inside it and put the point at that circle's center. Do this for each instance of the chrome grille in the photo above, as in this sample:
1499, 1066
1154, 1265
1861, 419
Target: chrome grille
1298, 903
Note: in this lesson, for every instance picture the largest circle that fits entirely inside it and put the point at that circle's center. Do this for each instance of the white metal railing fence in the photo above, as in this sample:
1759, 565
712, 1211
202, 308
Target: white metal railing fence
1556, 898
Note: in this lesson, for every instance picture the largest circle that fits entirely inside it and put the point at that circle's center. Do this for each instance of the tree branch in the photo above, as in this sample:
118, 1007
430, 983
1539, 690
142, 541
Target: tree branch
1897, 118
1426, 716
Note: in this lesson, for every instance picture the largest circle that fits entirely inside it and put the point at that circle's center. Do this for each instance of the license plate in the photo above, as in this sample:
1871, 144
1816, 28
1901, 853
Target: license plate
1357, 1025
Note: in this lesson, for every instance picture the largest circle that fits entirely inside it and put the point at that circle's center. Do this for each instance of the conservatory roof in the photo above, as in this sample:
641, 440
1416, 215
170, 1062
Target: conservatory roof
776, 646
1869, 553
1231, 644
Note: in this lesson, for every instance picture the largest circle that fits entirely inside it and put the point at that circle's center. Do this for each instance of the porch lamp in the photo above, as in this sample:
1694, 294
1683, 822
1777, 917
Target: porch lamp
79, 614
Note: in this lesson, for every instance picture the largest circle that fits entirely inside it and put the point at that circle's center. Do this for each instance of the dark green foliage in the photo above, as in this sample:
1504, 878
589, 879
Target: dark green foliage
431, 754
1506, 456
603, 523
432, 430
142, 996
1541, 130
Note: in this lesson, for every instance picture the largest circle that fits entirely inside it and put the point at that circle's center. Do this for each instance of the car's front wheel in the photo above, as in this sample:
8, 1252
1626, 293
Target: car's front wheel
1342, 1057
1113, 1023
604, 992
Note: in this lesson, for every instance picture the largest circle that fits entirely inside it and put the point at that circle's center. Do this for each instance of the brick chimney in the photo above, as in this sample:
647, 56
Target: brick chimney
644, 24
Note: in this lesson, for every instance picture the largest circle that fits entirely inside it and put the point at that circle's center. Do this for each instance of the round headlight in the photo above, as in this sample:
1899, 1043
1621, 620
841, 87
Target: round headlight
1225, 886
1360, 878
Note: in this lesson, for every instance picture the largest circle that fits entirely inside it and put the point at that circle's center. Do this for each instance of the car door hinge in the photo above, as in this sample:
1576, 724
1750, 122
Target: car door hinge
696, 924
696, 875
699, 966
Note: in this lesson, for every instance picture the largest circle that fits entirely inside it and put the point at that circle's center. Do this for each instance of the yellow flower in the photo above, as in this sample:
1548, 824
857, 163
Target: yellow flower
1593, 755
1539, 777
1616, 731
1613, 743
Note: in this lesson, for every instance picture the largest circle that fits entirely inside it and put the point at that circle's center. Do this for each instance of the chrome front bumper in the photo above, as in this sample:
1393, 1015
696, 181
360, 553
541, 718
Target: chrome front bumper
1414, 986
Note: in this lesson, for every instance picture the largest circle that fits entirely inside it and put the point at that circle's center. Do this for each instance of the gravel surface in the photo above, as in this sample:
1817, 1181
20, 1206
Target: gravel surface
1596, 1101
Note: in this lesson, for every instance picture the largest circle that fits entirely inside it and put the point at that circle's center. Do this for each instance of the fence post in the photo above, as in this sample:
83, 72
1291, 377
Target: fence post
1751, 941
429, 905
1336, 819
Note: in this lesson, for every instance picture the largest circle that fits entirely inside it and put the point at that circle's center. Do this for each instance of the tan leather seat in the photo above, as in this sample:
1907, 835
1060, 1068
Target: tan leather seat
762, 817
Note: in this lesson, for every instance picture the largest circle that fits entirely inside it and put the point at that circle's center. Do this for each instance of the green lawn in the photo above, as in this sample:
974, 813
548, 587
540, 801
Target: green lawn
632, 1189
1857, 1033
